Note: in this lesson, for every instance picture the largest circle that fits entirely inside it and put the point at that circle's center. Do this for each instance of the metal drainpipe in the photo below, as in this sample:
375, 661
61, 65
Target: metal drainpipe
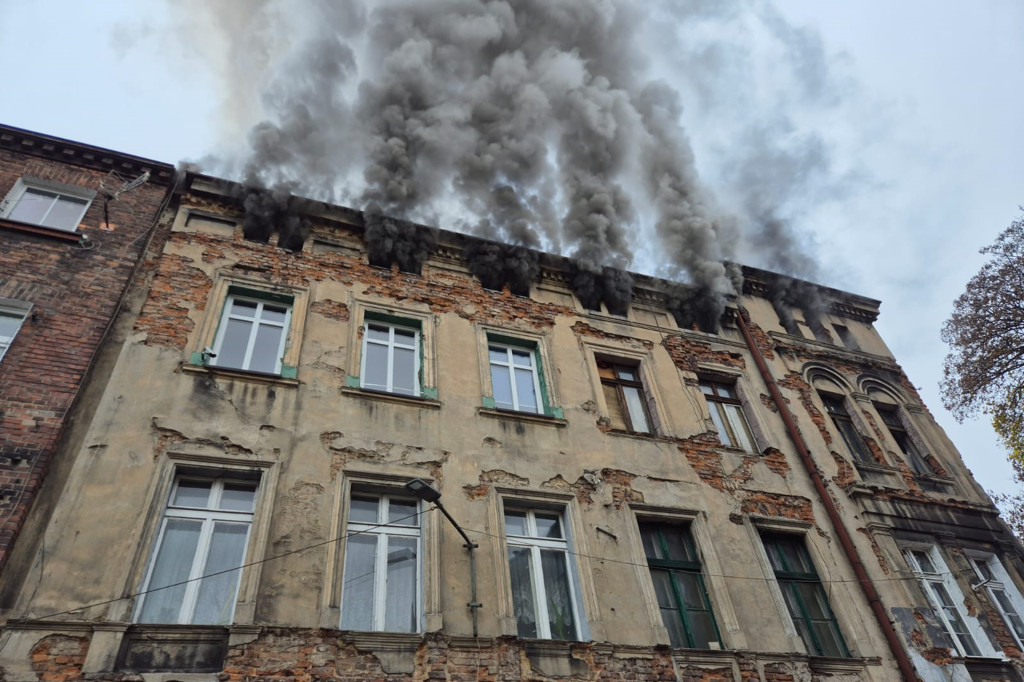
902, 660
470, 545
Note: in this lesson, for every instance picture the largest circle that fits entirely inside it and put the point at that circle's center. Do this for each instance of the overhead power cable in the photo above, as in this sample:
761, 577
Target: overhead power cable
829, 581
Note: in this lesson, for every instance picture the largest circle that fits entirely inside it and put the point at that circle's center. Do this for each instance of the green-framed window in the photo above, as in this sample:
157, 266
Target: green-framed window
518, 383
679, 585
805, 597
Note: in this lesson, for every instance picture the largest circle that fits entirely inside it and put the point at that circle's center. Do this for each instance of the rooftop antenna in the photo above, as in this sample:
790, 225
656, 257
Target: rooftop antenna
126, 185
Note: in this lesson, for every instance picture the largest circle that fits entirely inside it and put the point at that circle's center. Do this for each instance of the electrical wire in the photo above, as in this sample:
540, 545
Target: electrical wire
581, 555
231, 570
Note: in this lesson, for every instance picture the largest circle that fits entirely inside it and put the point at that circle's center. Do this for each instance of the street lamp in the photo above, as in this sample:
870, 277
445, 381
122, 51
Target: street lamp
428, 493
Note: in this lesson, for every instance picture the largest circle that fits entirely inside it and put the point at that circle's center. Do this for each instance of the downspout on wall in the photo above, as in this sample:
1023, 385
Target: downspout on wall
845, 541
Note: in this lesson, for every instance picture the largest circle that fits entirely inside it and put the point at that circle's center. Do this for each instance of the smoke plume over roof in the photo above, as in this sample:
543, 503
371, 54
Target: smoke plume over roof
548, 124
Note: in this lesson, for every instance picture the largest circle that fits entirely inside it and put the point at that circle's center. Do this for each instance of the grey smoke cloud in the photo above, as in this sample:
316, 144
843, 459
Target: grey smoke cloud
547, 124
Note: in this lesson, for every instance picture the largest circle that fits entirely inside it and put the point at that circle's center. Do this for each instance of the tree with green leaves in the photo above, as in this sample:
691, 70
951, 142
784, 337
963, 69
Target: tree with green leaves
984, 371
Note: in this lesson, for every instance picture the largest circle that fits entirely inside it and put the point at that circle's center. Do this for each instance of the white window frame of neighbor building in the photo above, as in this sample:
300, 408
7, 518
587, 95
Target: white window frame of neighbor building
508, 361
175, 590
268, 314
387, 375
533, 535
1001, 590
12, 316
56, 206
946, 600
384, 529
726, 411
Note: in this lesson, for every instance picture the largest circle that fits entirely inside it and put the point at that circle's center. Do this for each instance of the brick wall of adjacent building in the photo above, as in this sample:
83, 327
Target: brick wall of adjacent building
73, 286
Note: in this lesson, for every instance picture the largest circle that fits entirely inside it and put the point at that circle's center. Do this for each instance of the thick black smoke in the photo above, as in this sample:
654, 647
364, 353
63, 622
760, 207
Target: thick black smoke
389, 240
541, 123
608, 285
267, 211
787, 294
499, 264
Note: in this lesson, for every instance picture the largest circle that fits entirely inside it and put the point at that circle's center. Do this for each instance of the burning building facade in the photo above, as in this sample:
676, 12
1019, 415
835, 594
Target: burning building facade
652, 488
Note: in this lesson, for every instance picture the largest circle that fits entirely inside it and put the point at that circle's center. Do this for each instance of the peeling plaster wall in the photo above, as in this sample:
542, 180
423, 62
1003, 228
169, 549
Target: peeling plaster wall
311, 436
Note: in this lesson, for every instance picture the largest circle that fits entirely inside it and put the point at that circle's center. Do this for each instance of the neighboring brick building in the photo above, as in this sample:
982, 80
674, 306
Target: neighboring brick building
68, 248
648, 501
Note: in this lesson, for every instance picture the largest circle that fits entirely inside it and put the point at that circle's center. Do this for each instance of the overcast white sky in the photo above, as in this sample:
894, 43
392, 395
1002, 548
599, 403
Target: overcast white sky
923, 116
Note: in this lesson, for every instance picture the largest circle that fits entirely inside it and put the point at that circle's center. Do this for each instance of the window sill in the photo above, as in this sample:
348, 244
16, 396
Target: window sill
621, 433
392, 398
838, 665
933, 483
383, 641
64, 235
876, 468
241, 374
521, 416
740, 451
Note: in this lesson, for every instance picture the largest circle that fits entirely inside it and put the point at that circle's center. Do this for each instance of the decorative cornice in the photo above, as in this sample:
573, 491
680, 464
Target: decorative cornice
74, 153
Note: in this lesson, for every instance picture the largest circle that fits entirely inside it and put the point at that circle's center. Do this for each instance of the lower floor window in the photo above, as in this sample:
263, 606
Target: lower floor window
947, 601
194, 574
382, 570
543, 584
805, 597
679, 585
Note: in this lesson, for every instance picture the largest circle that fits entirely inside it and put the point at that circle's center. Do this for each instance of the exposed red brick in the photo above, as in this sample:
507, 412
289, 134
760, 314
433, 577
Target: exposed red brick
581, 328
778, 505
687, 352
74, 292
59, 658
334, 310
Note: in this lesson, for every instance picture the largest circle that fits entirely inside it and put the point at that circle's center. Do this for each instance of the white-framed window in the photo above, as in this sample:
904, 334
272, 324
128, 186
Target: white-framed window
195, 568
47, 204
1003, 593
11, 318
382, 575
947, 601
252, 334
727, 414
515, 377
543, 580
391, 358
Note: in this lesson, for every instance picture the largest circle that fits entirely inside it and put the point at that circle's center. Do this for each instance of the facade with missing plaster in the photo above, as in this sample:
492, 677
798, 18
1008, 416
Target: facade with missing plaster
648, 502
